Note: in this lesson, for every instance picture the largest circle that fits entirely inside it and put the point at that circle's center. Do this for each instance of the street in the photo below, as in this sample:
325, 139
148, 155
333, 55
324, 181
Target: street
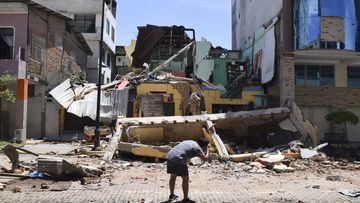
136, 181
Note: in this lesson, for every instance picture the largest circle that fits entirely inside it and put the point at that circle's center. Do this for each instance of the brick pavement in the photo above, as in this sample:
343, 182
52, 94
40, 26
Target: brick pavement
149, 182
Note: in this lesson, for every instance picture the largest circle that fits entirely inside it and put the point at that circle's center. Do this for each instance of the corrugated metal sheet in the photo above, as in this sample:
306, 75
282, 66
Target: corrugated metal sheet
112, 103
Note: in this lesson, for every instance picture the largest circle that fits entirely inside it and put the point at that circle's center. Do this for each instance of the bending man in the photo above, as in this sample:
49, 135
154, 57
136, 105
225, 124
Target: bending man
177, 159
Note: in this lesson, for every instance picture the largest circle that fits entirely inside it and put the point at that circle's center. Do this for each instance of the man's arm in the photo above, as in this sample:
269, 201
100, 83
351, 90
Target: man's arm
206, 156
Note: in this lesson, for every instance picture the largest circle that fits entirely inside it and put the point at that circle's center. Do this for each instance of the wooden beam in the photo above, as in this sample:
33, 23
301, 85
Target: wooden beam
207, 136
243, 157
110, 150
144, 150
217, 140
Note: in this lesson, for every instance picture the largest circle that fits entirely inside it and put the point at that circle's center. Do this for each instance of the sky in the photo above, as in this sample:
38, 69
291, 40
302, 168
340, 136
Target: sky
211, 19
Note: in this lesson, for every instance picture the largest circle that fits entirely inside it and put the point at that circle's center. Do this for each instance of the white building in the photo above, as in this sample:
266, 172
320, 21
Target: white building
87, 15
317, 46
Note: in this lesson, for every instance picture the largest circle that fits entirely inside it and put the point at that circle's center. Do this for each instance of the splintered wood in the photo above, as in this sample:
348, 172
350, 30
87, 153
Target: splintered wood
110, 150
216, 140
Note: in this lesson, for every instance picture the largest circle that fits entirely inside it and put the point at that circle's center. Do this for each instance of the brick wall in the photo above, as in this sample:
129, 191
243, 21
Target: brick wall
64, 54
287, 80
337, 97
332, 28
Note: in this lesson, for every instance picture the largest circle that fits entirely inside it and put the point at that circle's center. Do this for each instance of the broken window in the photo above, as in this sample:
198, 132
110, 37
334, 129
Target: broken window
58, 41
85, 22
314, 75
353, 76
307, 24
6, 43
37, 46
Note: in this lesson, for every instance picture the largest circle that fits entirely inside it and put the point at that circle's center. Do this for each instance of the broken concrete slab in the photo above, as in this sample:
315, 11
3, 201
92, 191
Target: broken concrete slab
55, 166
144, 150
13, 155
48, 148
110, 150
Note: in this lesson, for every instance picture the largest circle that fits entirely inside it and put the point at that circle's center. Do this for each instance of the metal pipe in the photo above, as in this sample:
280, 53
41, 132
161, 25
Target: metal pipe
97, 120
165, 63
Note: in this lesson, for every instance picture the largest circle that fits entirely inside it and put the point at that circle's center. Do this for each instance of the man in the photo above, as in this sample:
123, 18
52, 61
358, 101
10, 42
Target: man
177, 159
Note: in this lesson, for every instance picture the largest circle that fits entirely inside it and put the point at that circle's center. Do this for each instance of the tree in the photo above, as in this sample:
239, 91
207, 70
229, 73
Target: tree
5, 94
343, 117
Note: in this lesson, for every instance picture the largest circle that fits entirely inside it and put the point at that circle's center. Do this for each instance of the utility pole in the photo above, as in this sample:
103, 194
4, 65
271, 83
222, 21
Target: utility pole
97, 120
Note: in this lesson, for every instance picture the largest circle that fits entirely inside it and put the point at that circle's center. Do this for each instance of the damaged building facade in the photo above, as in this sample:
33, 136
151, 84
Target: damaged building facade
222, 71
87, 16
316, 61
41, 48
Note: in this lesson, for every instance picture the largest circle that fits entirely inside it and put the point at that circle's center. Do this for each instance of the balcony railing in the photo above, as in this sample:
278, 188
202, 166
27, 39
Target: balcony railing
6, 52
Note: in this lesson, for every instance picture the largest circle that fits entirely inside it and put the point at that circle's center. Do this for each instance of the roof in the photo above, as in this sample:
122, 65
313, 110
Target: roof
78, 34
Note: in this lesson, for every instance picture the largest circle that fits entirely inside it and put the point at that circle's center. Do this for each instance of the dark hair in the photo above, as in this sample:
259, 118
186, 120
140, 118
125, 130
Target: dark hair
203, 143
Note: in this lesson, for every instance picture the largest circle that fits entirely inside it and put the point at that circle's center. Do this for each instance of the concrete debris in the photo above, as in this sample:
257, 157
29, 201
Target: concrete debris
2, 186
59, 167
196, 161
13, 155
144, 150
309, 153
350, 192
281, 168
17, 189
333, 178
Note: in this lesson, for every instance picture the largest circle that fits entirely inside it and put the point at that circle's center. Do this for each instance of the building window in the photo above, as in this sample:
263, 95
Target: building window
307, 24
314, 75
58, 41
112, 33
108, 61
85, 22
37, 45
108, 26
353, 76
6, 43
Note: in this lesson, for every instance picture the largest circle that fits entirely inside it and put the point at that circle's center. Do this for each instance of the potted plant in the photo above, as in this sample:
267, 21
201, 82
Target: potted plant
343, 117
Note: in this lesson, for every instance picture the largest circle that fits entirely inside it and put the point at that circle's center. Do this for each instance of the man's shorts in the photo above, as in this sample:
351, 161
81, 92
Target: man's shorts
177, 169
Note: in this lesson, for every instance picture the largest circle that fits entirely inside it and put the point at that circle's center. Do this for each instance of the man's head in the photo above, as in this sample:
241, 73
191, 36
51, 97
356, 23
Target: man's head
203, 143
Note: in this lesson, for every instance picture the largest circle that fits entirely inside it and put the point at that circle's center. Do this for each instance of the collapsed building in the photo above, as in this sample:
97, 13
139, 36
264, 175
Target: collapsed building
185, 89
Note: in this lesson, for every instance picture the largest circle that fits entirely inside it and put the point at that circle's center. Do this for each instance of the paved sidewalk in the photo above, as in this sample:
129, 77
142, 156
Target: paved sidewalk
149, 183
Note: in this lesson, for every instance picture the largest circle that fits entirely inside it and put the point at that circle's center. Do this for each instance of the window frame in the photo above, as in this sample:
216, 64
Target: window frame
113, 33
107, 26
83, 19
37, 49
347, 76
320, 80
12, 48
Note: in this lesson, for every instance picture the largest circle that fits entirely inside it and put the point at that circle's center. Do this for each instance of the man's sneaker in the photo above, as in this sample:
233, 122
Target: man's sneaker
187, 200
173, 197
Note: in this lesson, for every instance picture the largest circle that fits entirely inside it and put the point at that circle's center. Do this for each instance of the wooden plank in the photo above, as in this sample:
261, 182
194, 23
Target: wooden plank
110, 150
144, 150
207, 136
217, 140
229, 149
243, 157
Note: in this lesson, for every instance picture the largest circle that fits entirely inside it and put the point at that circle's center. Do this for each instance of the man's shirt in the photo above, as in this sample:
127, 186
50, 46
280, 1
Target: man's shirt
184, 151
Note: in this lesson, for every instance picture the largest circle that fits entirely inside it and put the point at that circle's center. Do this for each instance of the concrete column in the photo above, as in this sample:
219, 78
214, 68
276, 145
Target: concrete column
340, 71
21, 109
287, 80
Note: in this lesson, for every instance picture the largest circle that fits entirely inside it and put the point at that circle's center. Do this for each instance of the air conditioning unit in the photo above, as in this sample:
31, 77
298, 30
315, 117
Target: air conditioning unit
19, 135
